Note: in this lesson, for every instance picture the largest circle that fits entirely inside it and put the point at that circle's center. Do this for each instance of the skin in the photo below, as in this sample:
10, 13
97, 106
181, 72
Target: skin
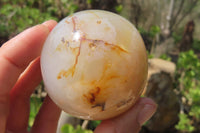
19, 75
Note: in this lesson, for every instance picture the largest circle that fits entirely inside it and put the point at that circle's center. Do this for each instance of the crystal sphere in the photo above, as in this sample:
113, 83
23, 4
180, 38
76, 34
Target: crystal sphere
94, 64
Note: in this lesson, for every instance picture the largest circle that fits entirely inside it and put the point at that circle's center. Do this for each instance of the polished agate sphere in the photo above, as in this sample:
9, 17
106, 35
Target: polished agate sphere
94, 64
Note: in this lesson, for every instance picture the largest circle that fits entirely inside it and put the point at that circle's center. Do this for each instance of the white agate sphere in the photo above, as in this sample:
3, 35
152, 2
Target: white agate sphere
94, 64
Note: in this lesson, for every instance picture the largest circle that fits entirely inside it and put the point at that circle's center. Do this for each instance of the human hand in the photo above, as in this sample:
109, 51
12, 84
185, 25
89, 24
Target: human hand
132, 120
19, 75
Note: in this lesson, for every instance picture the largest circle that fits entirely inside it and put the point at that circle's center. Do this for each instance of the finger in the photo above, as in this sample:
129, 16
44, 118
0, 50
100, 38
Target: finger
15, 55
19, 98
20, 94
18, 53
47, 119
50, 24
131, 121
20, 89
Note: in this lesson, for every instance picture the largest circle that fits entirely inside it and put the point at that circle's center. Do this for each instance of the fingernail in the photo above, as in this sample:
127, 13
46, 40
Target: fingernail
46, 24
49, 25
146, 113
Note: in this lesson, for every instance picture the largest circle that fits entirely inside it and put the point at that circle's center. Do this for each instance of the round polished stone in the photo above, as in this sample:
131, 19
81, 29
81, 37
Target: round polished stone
94, 64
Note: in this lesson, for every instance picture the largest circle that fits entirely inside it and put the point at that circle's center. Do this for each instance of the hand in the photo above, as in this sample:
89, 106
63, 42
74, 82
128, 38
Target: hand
19, 75
131, 121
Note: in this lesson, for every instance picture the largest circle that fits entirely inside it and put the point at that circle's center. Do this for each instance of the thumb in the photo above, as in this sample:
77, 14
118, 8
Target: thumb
131, 121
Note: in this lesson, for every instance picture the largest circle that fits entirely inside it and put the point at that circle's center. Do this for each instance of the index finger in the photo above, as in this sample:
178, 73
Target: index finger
16, 54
